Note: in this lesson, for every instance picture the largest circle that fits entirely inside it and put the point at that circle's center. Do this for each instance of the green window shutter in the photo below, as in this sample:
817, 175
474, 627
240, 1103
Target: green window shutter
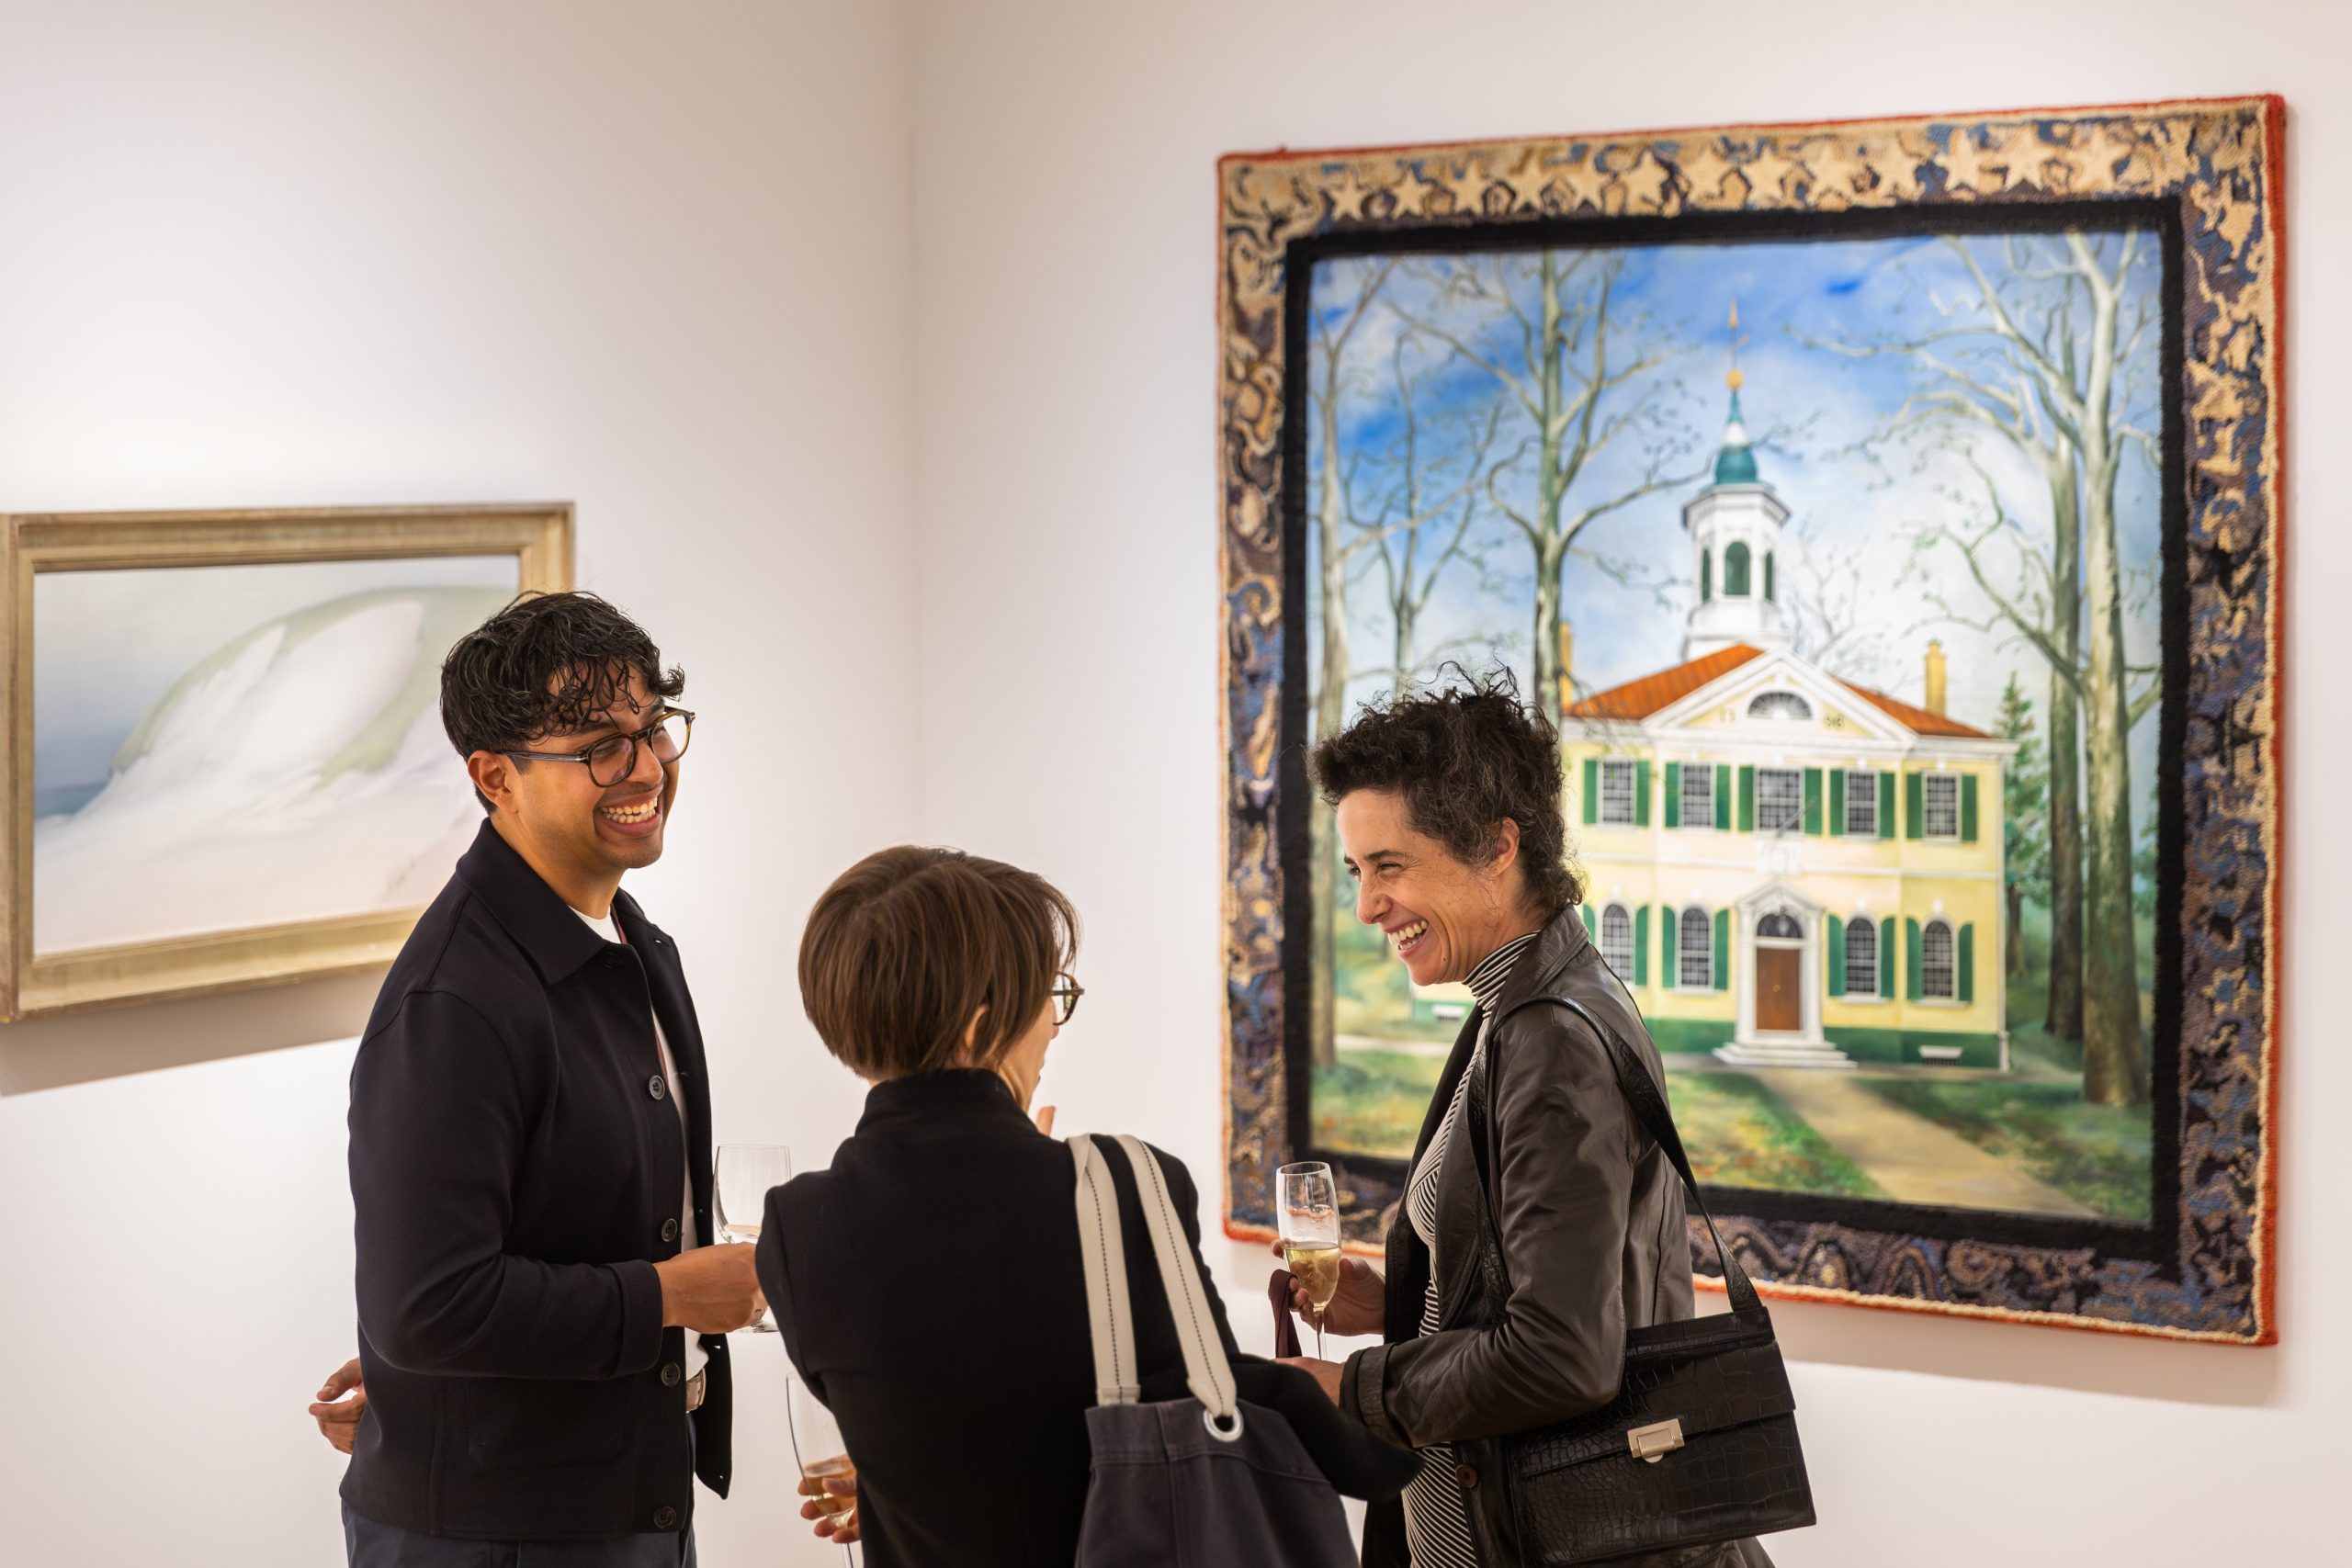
1911, 959
1674, 794
1968, 963
1723, 950
1836, 802
1591, 790
1886, 805
1669, 948
1736, 572
1968, 809
1914, 811
1706, 576
1886, 957
1641, 944
1642, 793
1590, 928
1767, 574
1812, 802
1836, 955
1746, 798
1722, 796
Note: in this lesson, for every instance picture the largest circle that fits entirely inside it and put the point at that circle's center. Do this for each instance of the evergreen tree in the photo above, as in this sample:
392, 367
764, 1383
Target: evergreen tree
2025, 816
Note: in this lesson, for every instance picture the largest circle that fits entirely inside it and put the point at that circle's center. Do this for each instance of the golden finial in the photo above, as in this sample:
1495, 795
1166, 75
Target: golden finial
1735, 380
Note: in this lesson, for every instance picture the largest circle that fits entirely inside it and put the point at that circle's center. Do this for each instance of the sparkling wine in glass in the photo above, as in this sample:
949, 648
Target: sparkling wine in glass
740, 1196
1307, 1208
819, 1451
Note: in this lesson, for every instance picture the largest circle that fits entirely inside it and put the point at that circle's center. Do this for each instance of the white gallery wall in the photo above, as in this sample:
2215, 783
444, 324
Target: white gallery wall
874, 340
655, 260
1066, 266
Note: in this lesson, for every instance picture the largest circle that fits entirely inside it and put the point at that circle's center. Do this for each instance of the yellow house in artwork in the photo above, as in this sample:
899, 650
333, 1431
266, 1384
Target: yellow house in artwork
1787, 868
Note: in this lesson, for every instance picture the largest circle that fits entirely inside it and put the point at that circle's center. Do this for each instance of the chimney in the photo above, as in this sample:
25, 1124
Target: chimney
1567, 665
1935, 677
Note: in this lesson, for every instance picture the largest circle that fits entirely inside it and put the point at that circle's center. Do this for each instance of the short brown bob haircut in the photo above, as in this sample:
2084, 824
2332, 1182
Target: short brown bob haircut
910, 943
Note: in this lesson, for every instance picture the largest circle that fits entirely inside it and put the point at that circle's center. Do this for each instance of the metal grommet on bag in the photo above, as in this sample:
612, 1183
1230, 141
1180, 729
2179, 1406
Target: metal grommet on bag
1210, 1418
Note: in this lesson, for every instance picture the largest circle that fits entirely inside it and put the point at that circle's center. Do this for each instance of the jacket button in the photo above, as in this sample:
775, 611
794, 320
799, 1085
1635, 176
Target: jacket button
656, 1088
669, 1230
665, 1518
669, 1374
1465, 1477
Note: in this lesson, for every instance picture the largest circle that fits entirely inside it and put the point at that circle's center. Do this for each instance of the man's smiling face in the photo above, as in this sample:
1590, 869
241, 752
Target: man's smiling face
595, 830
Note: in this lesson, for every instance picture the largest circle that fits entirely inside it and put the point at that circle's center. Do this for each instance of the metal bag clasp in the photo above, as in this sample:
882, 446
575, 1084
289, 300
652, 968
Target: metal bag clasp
1652, 1444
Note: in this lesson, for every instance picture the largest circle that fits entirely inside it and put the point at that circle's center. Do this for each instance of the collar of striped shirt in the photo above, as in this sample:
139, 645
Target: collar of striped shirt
1486, 980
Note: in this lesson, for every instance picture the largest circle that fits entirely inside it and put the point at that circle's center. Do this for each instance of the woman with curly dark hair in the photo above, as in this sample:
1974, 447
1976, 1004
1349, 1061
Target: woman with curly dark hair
1449, 813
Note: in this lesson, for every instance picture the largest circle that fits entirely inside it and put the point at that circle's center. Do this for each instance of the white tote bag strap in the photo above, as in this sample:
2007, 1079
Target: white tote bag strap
1102, 1250
1207, 1370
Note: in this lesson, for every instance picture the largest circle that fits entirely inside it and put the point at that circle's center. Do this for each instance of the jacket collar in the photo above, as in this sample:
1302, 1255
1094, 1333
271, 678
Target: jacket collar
550, 932
1538, 970
952, 1101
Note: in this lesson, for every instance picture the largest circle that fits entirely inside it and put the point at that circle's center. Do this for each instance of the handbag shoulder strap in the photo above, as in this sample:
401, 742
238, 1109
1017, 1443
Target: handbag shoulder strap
1208, 1372
1102, 1253
1641, 1091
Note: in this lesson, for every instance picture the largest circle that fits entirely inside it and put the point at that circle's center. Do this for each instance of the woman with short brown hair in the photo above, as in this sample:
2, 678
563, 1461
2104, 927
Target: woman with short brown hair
929, 1285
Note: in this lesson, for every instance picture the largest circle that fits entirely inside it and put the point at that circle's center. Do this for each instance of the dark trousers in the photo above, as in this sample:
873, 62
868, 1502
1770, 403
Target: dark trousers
370, 1545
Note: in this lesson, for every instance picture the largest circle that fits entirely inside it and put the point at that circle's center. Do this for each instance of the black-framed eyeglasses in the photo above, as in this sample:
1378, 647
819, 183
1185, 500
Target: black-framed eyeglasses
614, 758
1065, 993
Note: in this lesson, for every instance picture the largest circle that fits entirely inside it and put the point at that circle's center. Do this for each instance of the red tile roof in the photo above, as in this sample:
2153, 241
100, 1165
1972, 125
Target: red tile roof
1639, 699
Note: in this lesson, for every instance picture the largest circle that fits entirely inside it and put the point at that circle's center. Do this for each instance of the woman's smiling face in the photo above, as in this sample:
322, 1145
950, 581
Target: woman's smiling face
1443, 915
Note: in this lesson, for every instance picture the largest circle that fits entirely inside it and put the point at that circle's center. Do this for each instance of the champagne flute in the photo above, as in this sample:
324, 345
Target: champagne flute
740, 1195
1307, 1205
820, 1454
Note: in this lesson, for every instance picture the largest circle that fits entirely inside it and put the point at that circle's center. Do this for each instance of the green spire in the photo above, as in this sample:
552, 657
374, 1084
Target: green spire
1735, 464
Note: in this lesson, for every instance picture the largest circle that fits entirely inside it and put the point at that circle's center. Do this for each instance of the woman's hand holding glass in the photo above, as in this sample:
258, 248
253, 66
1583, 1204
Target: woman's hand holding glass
1358, 1306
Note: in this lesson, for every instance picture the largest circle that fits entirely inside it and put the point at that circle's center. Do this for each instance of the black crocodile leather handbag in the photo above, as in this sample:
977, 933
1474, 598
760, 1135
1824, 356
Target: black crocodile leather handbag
1698, 1447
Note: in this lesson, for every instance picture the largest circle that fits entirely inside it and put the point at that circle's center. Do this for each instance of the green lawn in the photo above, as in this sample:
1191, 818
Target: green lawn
1372, 1103
2096, 1155
1740, 1133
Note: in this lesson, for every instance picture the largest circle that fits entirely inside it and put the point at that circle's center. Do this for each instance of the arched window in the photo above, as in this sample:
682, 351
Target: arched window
1696, 969
1781, 926
1736, 560
1617, 939
1938, 969
1779, 705
1861, 956
1767, 574
1706, 575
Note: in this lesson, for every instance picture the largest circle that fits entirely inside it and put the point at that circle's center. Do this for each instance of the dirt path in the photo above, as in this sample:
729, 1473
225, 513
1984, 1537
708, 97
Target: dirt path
1913, 1159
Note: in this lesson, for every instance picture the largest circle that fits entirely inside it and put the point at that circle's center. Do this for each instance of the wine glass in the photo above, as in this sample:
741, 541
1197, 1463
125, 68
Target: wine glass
1306, 1206
746, 1172
820, 1452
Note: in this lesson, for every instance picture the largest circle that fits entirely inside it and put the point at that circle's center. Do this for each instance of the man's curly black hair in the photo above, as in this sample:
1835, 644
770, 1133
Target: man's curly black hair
547, 664
1464, 754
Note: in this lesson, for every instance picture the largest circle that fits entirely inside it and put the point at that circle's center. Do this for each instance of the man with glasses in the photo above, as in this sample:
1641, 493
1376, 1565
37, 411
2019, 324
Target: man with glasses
541, 1362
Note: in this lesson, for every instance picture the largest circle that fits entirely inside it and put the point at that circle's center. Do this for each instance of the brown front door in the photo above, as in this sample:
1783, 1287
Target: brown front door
1777, 1008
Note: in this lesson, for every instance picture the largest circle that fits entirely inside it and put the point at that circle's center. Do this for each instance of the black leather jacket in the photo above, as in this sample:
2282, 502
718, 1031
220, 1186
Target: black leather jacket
1593, 1234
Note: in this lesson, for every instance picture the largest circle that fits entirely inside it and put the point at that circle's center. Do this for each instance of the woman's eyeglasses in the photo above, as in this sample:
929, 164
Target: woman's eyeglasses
614, 758
1065, 993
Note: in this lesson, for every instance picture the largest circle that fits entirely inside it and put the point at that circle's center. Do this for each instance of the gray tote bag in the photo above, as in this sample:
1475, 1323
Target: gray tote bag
1207, 1482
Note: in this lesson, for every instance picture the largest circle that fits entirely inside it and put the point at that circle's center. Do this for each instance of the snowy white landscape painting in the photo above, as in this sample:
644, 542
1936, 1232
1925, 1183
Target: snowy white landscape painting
222, 747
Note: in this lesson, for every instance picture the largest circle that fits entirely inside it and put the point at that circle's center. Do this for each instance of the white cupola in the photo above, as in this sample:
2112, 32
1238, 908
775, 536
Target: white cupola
1735, 526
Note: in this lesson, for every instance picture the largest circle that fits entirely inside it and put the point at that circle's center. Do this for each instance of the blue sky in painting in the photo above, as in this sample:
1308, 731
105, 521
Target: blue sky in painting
1853, 542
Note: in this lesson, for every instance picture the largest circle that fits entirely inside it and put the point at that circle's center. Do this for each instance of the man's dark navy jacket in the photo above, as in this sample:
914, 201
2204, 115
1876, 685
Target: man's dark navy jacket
516, 1166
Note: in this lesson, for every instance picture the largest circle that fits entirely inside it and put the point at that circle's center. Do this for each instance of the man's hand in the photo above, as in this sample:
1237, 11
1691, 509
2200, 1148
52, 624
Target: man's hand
712, 1290
1324, 1373
843, 1526
1358, 1306
338, 1417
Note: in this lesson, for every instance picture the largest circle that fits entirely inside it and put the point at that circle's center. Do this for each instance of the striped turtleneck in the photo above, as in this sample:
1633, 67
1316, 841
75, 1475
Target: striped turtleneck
1493, 972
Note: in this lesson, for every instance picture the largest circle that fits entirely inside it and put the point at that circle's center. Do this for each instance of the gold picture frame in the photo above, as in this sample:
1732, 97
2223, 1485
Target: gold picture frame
537, 535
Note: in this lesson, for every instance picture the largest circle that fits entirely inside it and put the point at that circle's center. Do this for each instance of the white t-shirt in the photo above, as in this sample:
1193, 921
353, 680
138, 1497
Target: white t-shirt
610, 930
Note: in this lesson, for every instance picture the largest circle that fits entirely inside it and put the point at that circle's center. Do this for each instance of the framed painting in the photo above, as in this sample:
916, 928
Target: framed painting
226, 765
1888, 515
